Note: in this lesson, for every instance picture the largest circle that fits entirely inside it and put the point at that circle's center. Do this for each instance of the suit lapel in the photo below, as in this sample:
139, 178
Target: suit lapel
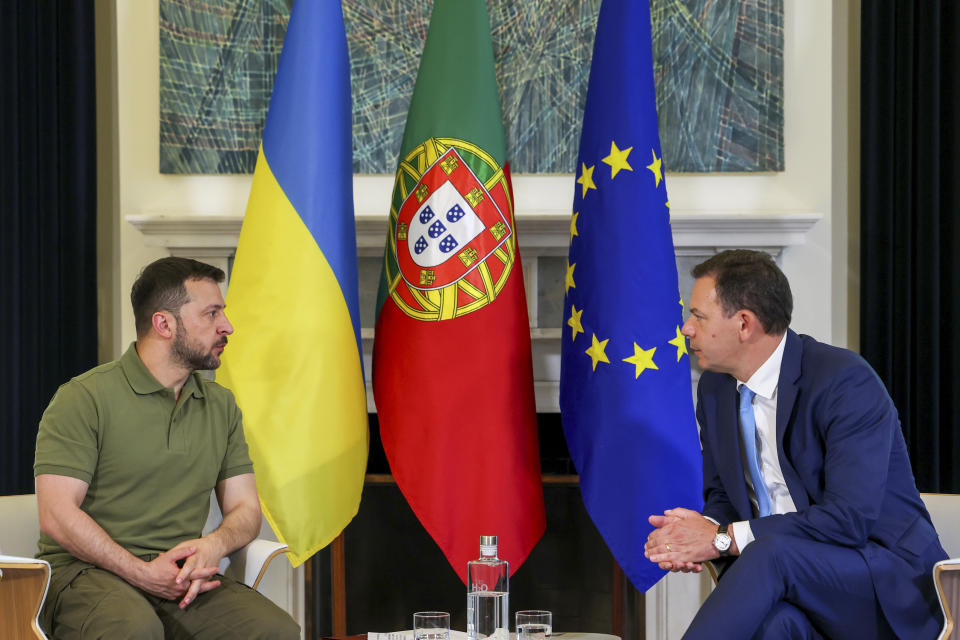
786, 397
734, 478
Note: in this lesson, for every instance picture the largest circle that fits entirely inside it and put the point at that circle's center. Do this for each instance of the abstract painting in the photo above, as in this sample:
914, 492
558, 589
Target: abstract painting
718, 66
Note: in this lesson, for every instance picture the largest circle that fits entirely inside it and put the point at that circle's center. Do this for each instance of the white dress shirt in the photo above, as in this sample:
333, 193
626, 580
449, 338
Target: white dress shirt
764, 384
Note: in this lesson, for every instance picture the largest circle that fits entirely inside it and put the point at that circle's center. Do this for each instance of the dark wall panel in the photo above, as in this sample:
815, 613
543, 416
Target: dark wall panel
394, 568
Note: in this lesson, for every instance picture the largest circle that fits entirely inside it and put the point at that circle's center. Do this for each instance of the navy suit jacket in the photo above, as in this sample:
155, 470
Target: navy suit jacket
845, 463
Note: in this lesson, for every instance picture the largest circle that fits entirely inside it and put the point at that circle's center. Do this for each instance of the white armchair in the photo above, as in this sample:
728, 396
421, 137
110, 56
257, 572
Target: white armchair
246, 565
24, 580
945, 512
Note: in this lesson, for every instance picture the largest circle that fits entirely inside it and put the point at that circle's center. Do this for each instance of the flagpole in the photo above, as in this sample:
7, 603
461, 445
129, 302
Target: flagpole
629, 607
338, 585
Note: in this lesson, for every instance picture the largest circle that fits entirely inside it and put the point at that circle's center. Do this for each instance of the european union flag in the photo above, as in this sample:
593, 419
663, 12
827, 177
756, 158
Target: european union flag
625, 391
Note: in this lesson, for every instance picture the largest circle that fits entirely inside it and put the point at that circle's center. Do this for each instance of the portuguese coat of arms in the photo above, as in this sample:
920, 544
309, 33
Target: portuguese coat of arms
452, 244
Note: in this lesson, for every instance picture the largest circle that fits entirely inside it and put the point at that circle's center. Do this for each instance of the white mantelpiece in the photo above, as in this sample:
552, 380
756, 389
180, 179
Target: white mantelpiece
213, 239
694, 233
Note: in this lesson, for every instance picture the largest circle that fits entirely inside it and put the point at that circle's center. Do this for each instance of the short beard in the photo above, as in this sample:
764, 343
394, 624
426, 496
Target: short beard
193, 359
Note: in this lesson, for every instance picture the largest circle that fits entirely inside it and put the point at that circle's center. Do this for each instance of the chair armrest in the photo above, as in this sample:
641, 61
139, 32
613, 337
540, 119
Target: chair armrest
718, 566
249, 563
713, 571
946, 579
23, 589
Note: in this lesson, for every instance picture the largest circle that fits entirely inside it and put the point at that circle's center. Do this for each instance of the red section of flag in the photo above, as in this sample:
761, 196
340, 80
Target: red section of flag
458, 423
452, 372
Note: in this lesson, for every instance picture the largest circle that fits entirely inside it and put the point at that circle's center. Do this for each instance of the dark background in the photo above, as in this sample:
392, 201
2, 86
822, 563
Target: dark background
48, 250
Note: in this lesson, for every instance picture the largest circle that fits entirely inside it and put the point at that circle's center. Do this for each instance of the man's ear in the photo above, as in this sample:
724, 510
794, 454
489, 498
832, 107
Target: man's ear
164, 324
749, 325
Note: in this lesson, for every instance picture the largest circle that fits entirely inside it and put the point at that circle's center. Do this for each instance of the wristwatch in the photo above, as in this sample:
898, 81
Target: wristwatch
722, 541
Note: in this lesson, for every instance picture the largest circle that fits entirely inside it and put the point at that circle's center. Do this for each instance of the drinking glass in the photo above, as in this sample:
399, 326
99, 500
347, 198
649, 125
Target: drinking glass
431, 625
534, 625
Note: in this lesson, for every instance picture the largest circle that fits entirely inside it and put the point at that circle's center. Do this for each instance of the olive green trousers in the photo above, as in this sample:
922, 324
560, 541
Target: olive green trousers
98, 604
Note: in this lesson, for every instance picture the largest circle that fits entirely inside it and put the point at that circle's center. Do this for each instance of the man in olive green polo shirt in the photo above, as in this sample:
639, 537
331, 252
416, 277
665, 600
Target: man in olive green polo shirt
127, 455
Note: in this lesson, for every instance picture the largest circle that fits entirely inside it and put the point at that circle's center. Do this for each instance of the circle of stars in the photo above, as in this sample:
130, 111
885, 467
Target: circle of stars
642, 359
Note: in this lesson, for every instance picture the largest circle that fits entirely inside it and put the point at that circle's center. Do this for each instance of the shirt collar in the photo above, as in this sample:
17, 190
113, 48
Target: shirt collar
139, 377
193, 385
764, 380
143, 382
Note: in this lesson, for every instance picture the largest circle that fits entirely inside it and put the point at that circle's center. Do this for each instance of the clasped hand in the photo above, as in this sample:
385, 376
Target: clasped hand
163, 577
681, 541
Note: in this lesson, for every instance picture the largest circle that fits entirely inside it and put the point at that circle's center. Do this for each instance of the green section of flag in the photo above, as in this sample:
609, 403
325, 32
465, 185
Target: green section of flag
455, 97
456, 91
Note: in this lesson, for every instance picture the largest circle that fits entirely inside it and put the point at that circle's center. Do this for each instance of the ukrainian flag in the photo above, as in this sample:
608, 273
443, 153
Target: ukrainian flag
295, 361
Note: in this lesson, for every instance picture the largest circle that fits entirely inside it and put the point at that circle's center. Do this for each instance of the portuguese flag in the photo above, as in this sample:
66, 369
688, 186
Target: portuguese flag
452, 372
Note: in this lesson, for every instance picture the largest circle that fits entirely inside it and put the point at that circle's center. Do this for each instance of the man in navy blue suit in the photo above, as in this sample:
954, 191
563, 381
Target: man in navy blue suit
810, 501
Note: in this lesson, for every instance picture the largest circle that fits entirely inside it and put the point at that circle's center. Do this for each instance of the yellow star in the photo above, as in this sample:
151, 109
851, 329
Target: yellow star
574, 321
586, 179
655, 168
642, 358
596, 351
681, 301
618, 159
569, 280
680, 342
573, 225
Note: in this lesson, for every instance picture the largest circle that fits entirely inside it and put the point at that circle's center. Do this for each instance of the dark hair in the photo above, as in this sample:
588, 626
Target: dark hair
750, 280
160, 287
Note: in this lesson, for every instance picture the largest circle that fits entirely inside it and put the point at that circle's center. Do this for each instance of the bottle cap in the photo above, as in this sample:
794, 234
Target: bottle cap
488, 545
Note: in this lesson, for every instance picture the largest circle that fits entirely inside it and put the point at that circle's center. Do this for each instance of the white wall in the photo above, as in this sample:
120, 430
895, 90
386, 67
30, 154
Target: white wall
141, 187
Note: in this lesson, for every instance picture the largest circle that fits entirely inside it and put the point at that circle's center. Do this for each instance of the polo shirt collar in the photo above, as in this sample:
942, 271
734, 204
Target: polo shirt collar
139, 377
193, 385
143, 382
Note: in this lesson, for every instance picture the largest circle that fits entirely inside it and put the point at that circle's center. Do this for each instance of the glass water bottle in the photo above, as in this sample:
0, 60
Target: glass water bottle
488, 599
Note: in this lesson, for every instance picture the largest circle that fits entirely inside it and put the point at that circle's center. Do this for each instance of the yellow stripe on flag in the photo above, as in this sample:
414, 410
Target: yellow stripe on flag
294, 366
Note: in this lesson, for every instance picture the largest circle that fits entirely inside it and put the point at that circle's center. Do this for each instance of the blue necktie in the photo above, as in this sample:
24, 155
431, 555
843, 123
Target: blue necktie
748, 427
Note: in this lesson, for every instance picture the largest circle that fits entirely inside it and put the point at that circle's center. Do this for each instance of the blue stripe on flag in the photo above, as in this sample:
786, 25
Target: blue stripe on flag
308, 133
